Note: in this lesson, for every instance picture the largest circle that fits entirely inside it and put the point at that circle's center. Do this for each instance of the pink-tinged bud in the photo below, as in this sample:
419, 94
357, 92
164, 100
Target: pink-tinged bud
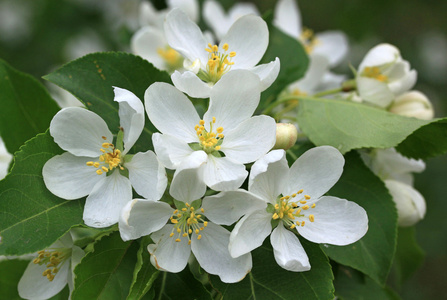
286, 135
413, 104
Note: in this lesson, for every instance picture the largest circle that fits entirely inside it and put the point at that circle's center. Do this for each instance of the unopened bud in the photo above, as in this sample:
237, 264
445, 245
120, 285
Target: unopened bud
413, 104
410, 203
286, 135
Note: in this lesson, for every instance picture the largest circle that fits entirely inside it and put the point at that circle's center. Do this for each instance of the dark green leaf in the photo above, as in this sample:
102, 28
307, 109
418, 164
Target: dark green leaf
372, 254
347, 125
106, 272
91, 79
293, 58
10, 273
26, 108
31, 217
353, 285
181, 285
144, 274
428, 141
269, 281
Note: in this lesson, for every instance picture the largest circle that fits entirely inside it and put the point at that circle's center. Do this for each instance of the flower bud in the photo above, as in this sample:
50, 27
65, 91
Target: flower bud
286, 135
413, 104
410, 203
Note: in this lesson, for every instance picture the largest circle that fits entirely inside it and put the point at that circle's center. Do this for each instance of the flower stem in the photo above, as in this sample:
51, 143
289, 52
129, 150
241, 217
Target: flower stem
269, 108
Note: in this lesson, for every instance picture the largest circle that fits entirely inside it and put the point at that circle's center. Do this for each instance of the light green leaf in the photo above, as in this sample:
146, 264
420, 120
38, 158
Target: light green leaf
293, 58
347, 125
181, 285
269, 281
91, 79
428, 141
26, 108
353, 285
144, 274
10, 273
31, 217
373, 254
106, 272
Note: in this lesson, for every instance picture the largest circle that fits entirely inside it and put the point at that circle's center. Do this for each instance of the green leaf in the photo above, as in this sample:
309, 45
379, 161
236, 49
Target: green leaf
409, 256
106, 272
293, 58
26, 108
10, 273
181, 285
91, 79
428, 141
373, 254
31, 217
347, 125
351, 284
144, 274
269, 281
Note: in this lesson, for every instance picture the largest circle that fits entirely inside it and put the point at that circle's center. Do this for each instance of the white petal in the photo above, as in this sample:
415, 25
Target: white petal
131, 112
248, 37
108, 197
171, 111
404, 84
318, 66
185, 36
337, 222
146, 42
316, 171
147, 175
80, 131
333, 45
211, 251
142, 217
374, 91
5, 159
410, 203
190, 7
267, 73
289, 253
68, 177
227, 207
381, 54
223, 174
33, 285
234, 99
170, 150
250, 140
187, 185
250, 232
215, 17
288, 17
168, 254
189, 83
268, 175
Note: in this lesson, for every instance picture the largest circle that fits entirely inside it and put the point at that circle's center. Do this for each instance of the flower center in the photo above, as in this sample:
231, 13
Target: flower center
53, 259
186, 221
309, 40
375, 73
209, 141
110, 159
219, 63
288, 210
172, 58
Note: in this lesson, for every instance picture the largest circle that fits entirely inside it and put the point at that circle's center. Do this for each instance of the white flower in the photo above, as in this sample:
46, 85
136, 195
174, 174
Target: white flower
333, 45
50, 271
188, 231
226, 128
413, 104
241, 48
294, 200
221, 21
93, 164
5, 160
383, 75
396, 172
149, 16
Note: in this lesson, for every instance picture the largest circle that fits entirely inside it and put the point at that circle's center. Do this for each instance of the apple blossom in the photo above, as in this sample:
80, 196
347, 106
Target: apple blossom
413, 104
93, 164
5, 159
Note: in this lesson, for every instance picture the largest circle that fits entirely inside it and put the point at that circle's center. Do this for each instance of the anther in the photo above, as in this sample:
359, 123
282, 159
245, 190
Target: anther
311, 218
307, 197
